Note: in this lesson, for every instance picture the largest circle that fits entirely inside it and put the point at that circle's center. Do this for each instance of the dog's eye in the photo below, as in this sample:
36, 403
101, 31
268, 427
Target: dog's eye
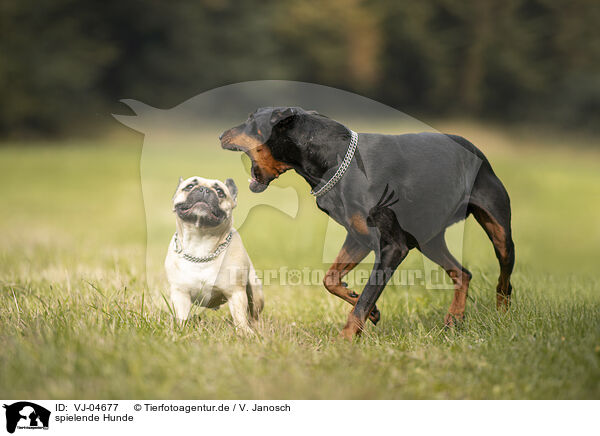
220, 192
188, 187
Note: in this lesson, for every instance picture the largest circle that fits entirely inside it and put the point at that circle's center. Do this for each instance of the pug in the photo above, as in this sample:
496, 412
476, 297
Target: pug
207, 263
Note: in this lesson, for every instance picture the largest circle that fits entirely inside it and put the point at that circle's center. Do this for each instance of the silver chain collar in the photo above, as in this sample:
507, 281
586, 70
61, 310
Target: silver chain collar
206, 258
342, 168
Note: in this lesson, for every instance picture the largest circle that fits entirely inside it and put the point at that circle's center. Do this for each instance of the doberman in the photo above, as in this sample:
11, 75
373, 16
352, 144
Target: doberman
392, 193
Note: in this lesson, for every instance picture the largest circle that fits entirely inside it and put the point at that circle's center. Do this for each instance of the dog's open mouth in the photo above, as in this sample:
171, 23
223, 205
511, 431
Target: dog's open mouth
186, 210
200, 203
256, 186
204, 206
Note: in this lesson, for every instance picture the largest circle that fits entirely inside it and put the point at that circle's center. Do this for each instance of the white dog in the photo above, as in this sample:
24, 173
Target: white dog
207, 262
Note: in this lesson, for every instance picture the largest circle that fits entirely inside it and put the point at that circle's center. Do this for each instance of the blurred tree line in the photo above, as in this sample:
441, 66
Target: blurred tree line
65, 64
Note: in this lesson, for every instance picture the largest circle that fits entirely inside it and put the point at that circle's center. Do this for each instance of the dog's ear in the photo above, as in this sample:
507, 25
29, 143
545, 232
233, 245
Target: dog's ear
279, 115
177, 187
233, 190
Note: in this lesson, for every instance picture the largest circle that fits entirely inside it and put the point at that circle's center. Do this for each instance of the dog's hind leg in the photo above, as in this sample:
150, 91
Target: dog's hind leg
350, 255
498, 230
254, 293
490, 205
437, 250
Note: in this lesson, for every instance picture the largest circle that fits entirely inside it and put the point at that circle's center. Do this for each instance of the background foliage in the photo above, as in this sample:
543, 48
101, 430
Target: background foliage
64, 64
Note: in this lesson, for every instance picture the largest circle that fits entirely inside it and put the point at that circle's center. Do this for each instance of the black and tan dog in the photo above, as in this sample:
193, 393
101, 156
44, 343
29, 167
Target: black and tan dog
392, 193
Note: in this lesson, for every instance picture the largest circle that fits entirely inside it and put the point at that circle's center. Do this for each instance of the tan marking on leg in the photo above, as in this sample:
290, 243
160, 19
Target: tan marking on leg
354, 326
496, 231
502, 296
332, 281
497, 234
456, 312
359, 223
342, 265
502, 302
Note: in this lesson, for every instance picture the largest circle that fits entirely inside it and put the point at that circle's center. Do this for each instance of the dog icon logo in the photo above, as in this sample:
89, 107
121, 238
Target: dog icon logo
26, 415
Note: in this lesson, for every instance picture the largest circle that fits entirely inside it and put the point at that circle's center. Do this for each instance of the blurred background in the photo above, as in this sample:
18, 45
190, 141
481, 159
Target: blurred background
64, 64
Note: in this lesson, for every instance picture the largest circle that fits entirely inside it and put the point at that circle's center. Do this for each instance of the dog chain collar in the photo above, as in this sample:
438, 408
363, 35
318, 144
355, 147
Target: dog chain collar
342, 169
206, 258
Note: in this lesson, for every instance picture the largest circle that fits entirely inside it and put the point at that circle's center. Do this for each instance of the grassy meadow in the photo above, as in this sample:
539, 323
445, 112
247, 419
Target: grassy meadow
81, 285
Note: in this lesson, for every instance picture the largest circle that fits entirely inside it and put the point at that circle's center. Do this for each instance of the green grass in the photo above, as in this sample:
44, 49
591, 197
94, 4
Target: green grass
78, 319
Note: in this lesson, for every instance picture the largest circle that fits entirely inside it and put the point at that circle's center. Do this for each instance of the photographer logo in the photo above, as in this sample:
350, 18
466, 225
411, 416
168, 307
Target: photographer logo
26, 415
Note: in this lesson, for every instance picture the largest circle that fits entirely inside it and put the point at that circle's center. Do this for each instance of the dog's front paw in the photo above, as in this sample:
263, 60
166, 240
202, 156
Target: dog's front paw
353, 328
245, 331
453, 319
375, 316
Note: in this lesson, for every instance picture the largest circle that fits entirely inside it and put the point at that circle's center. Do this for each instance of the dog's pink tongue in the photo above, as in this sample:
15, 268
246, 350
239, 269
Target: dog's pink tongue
256, 186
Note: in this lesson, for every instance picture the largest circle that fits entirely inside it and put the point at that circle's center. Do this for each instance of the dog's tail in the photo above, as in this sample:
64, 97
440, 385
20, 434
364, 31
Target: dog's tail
256, 300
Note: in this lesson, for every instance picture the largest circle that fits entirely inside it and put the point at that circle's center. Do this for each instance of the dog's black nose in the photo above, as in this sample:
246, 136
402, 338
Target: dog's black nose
221, 135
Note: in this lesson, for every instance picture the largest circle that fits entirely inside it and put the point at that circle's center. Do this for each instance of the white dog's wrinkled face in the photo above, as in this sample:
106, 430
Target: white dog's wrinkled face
204, 202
